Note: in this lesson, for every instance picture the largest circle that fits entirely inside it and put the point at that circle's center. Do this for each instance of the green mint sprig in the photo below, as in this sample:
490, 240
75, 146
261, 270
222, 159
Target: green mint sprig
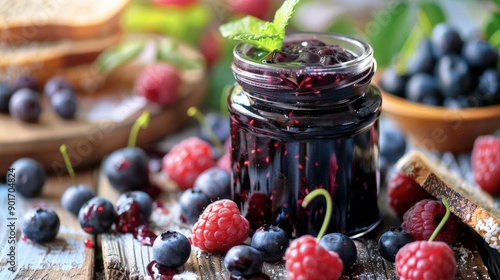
264, 34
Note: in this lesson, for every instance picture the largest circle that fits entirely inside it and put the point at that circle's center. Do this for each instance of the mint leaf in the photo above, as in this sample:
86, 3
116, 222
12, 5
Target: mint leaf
266, 35
283, 14
252, 30
117, 56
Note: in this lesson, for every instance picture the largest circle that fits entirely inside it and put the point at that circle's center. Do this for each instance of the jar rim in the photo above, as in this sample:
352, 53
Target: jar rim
362, 50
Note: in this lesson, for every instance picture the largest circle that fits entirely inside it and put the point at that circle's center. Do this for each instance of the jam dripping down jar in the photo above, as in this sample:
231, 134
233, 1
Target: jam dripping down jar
296, 127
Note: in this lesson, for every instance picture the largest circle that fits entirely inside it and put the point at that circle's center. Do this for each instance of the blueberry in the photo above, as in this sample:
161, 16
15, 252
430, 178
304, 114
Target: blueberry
75, 196
445, 40
488, 89
24, 81
220, 126
453, 75
143, 200
391, 241
422, 61
40, 224
342, 245
192, 203
30, 176
455, 103
5, 94
55, 84
97, 215
271, 241
171, 249
243, 260
215, 183
25, 105
392, 142
127, 169
480, 54
423, 88
64, 103
393, 82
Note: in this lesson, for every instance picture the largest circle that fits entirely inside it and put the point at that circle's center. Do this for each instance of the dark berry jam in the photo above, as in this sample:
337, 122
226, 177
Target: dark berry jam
302, 122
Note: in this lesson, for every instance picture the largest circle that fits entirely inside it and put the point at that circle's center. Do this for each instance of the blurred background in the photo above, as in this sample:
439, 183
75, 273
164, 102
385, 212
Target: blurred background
392, 27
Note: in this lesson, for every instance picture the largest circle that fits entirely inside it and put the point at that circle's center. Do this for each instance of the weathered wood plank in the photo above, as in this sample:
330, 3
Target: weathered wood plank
66, 257
125, 258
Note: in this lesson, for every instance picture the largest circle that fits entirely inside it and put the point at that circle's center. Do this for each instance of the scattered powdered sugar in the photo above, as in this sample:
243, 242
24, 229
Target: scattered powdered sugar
186, 275
463, 254
492, 231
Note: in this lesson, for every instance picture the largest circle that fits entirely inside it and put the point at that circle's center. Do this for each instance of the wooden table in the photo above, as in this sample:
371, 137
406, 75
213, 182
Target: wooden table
120, 256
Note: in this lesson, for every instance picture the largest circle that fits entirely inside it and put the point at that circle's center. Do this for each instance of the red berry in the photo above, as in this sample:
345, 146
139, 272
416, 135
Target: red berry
256, 8
159, 83
426, 260
486, 163
211, 46
178, 3
307, 260
422, 219
187, 160
225, 162
403, 192
220, 227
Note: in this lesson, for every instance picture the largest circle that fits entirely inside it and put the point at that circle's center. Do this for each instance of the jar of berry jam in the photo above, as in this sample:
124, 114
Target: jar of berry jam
303, 118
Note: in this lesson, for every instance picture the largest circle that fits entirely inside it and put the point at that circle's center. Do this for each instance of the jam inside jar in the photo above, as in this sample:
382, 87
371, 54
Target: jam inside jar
298, 123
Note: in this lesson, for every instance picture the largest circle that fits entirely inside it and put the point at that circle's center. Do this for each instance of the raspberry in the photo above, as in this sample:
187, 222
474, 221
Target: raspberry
220, 227
306, 259
159, 83
422, 219
426, 260
486, 163
187, 160
403, 192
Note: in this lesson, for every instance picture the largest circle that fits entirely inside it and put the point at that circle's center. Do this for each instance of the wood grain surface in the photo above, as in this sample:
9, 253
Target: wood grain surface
65, 258
125, 258
120, 256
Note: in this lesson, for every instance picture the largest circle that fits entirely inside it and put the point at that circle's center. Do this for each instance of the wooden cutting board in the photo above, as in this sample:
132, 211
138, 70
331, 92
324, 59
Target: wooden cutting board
103, 122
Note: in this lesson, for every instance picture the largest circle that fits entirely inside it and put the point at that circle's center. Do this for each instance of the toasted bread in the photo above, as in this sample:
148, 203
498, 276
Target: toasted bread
471, 204
43, 60
27, 21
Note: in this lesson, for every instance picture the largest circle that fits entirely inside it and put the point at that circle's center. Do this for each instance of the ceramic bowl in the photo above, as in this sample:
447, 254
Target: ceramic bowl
439, 128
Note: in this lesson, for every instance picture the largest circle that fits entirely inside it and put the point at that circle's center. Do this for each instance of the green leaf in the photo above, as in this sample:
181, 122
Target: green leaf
252, 30
182, 23
267, 35
388, 31
492, 29
408, 49
344, 25
429, 15
283, 15
168, 52
114, 57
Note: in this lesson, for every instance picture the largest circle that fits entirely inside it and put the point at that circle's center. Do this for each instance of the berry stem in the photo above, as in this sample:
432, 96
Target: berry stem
443, 221
194, 112
141, 122
328, 214
64, 151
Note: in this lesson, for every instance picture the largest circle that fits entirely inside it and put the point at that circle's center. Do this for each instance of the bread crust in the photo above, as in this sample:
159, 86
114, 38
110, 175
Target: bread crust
43, 62
469, 203
21, 32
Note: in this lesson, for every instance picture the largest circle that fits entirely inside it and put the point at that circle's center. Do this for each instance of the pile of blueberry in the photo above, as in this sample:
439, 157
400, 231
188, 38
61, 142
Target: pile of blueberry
22, 100
448, 71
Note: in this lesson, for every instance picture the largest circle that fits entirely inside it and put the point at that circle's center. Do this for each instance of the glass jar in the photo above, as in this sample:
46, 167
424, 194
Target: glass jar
296, 128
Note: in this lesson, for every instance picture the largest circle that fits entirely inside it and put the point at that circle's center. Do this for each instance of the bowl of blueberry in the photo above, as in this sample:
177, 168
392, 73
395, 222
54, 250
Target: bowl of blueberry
449, 92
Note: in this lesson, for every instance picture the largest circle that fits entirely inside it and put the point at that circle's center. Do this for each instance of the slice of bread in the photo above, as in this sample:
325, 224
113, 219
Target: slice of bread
472, 205
42, 60
24, 21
